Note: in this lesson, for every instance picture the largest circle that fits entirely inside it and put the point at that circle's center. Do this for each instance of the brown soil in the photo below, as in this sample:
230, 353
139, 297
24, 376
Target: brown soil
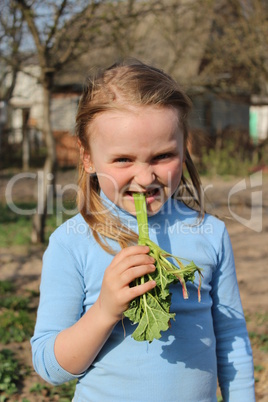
23, 265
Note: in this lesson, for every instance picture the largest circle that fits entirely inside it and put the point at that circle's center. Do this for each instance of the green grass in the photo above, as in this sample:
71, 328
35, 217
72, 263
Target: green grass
259, 340
16, 228
9, 372
258, 368
259, 317
262, 318
17, 316
15, 302
226, 161
17, 319
62, 393
6, 287
15, 326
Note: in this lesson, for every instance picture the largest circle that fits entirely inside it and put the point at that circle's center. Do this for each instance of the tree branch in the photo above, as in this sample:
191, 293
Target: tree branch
28, 14
53, 29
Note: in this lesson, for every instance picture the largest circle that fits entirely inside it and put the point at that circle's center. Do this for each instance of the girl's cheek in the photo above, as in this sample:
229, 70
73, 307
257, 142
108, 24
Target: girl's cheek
122, 176
172, 170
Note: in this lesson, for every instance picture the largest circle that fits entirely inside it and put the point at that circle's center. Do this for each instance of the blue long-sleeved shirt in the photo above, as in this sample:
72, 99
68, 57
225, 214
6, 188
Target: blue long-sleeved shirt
207, 340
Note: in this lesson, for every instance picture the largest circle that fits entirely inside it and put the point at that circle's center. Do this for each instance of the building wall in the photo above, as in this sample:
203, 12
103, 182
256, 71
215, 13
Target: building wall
63, 111
66, 148
27, 94
214, 114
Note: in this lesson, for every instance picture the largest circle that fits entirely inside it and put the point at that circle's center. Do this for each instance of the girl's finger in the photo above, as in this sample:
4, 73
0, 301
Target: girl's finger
135, 260
129, 251
136, 272
139, 290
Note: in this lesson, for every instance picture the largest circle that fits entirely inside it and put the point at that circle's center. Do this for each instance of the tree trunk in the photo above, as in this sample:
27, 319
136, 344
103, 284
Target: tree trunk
25, 140
49, 169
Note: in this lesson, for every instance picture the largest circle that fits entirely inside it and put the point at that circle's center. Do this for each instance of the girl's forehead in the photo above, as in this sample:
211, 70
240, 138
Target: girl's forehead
144, 125
133, 113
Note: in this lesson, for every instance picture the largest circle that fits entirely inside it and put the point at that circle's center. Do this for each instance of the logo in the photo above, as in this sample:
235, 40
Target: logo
255, 185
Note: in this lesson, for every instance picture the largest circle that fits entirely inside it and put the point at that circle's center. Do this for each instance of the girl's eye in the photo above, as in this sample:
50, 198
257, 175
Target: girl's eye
163, 156
122, 160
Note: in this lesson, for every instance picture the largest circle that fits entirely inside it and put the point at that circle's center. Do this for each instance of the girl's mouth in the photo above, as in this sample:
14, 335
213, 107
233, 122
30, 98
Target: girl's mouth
150, 194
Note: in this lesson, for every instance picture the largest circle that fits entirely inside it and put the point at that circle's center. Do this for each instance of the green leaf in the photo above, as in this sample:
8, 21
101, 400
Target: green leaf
151, 316
151, 311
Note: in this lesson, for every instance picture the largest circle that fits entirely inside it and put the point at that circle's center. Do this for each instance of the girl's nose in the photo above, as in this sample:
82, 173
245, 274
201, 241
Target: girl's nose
145, 175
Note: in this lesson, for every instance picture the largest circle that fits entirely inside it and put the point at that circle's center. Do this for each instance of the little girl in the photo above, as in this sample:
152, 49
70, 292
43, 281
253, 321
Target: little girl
132, 132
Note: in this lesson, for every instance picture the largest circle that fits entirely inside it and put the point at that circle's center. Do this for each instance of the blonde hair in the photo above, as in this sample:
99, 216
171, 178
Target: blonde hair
128, 83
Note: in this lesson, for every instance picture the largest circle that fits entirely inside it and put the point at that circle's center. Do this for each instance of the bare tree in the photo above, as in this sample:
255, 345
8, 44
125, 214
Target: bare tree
236, 56
61, 32
11, 58
182, 28
129, 23
11, 32
220, 45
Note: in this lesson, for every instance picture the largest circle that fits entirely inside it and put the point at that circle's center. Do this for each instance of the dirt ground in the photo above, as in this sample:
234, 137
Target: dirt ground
242, 204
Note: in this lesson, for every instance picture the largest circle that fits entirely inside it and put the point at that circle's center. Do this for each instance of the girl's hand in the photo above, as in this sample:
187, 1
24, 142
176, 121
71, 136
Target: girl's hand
115, 295
77, 346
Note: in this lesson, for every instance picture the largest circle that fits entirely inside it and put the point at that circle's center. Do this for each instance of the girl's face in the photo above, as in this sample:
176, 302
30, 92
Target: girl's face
137, 150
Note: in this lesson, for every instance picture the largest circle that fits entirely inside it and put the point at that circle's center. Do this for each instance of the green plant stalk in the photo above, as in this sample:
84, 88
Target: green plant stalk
183, 273
151, 310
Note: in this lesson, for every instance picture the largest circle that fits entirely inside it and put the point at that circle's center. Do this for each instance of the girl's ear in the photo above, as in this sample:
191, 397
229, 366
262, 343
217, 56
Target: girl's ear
86, 159
87, 162
88, 165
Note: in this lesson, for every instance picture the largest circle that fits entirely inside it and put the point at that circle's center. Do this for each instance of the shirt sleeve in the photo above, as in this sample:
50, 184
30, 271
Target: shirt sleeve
60, 306
234, 354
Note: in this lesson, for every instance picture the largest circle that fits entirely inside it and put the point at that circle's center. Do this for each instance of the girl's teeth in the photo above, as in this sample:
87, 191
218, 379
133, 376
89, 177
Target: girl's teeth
150, 193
